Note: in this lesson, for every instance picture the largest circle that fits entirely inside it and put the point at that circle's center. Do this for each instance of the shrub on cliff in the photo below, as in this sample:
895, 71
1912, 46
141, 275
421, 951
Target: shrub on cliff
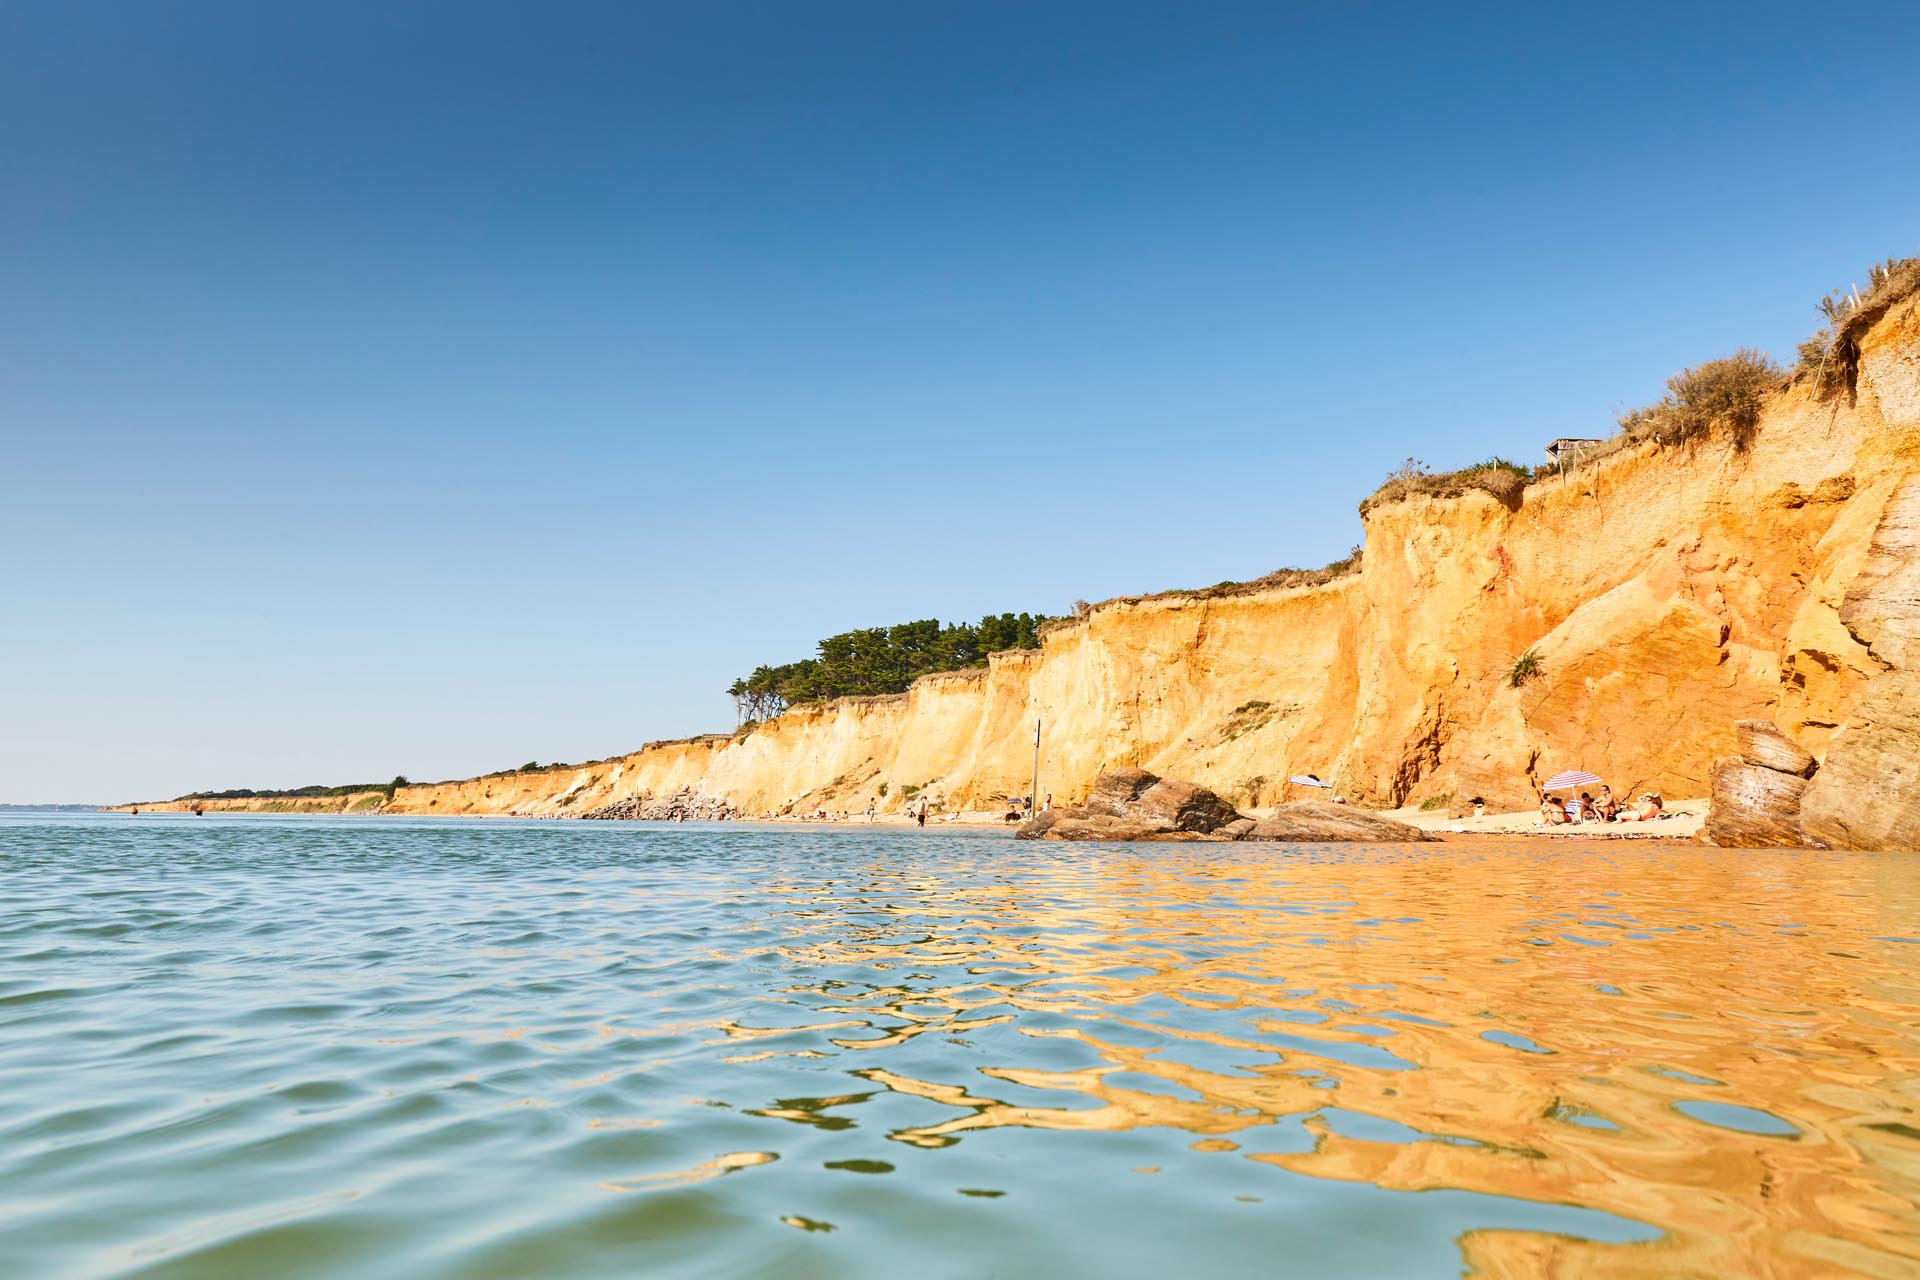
1731, 392
1830, 359
1506, 480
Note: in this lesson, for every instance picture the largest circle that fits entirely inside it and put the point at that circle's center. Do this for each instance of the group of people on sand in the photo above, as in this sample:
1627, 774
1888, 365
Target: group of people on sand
1021, 807
820, 813
1605, 807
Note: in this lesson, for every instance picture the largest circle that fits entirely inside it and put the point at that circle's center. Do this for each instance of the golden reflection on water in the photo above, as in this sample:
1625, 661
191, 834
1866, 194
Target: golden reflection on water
1539, 1025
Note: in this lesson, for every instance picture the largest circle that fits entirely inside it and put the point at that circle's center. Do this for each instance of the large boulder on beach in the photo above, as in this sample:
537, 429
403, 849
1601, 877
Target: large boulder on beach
1066, 824
1132, 804
1134, 795
1313, 821
1754, 807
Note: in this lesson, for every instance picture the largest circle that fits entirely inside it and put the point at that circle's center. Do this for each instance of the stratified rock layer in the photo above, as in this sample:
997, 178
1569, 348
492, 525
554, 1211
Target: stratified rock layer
1867, 793
1754, 807
1761, 743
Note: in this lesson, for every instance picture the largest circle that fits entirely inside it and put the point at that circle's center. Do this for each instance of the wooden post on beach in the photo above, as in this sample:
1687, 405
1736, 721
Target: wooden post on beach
1033, 797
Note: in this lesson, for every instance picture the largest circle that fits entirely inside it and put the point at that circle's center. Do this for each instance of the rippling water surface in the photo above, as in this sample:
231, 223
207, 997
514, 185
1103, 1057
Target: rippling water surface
246, 1046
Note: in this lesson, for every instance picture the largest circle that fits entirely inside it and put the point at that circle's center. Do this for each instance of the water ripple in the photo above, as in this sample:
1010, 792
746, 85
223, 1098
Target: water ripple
286, 1046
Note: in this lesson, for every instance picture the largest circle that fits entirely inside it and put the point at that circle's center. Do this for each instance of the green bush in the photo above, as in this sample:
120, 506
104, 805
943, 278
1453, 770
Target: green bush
879, 660
1525, 667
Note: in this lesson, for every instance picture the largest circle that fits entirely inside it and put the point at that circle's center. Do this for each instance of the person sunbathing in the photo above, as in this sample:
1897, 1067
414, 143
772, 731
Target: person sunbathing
1649, 808
1588, 813
1607, 806
1552, 812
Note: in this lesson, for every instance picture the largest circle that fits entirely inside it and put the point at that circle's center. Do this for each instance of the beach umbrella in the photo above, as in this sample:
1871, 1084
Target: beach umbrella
1308, 780
1571, 778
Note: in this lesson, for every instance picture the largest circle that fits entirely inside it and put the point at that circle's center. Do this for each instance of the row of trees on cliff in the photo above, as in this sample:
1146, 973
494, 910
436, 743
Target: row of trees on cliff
881, 660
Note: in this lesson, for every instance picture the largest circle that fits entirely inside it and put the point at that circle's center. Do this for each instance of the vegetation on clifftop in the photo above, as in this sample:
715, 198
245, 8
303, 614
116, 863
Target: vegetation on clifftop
876, 660
1278, 580
1729, 394
1504, 479
297, 793
1830, 359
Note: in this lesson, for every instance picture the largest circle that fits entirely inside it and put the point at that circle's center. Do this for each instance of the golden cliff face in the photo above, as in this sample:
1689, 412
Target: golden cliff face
1667, 592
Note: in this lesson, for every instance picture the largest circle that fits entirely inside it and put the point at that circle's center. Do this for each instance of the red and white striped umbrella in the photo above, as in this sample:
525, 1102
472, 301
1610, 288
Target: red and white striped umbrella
1571, 778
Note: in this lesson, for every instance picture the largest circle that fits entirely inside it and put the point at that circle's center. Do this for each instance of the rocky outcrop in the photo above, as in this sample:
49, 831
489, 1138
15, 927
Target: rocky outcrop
1134, 795
684, 807
1754, 807
1309, 821
1867, 794
1762, 745
1757, 794
1132, 804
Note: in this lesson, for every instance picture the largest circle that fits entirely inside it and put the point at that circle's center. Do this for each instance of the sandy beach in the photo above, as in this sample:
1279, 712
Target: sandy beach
1682, 827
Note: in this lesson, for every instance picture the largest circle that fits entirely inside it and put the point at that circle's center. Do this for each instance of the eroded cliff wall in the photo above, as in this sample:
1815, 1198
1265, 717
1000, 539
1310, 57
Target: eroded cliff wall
1668, 591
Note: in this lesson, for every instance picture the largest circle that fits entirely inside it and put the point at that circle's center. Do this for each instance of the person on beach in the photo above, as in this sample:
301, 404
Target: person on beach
870, 805
1046, 806
1552, 812
1607, 807
1649, 808
1588, 811
921, 816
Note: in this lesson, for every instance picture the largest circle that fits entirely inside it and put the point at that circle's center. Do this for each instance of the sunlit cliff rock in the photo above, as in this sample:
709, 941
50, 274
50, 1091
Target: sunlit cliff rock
1667, 591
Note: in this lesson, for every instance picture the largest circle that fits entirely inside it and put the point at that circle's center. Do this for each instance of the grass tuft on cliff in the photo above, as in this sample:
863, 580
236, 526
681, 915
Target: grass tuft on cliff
1505, 479
1279, 579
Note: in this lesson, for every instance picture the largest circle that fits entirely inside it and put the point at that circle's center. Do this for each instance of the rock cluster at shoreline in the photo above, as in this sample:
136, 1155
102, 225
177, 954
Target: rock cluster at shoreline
1132, 804
676, 808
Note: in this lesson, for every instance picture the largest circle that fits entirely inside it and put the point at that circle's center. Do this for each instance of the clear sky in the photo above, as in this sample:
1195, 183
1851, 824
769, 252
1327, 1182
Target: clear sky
426, 388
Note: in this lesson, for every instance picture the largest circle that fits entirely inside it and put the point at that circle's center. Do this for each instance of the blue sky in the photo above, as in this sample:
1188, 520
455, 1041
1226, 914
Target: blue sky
422, 389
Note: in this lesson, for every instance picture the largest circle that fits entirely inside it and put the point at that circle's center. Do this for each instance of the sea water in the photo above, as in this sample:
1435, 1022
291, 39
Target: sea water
275, 1046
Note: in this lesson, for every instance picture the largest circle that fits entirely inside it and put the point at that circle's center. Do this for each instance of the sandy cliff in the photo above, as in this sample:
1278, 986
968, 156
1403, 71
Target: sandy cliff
1667, 591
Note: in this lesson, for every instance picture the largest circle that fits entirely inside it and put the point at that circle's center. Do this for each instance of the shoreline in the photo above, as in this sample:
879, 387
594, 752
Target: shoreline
1683, 829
